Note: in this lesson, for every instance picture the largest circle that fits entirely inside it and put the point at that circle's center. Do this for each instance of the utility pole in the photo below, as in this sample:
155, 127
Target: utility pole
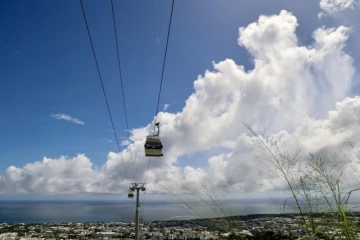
137, 187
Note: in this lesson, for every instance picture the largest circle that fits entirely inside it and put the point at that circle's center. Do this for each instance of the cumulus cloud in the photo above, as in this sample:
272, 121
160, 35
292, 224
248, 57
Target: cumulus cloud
299, 94
125, 143
336, 6
166, 106
67, 118
51, 175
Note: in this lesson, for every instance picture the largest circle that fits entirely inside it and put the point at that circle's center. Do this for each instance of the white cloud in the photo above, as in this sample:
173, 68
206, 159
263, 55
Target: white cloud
298, 94
336, 6
125, 143
157, 39
51, 175
166, 106
110, 141
67, 118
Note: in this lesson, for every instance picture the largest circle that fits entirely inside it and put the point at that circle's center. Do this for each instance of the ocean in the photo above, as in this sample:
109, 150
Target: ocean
95, 211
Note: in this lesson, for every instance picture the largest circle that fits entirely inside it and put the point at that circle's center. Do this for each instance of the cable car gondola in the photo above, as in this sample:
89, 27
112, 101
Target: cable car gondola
130, 194
153, 145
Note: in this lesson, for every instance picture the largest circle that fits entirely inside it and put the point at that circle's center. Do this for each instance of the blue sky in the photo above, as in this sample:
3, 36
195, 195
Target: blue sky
48, 68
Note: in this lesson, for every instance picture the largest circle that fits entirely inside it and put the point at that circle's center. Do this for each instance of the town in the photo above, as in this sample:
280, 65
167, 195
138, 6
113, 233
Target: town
263, 227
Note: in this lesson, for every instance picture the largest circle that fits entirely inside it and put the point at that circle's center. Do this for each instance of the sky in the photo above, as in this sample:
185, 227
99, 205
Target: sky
289, 68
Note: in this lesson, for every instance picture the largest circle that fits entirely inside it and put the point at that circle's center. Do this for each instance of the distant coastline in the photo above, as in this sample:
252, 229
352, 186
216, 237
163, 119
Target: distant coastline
42, 211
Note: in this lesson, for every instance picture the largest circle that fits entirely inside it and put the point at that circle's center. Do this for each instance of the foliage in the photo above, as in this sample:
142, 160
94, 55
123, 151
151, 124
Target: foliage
213, 212
313, 183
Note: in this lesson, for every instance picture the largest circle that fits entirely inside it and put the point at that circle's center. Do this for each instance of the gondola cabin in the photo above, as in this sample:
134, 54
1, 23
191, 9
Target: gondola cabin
153, 146
130, 194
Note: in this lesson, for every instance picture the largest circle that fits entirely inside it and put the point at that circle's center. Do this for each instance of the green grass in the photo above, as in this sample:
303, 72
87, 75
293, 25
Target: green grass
210, 207
314, 183
317, 186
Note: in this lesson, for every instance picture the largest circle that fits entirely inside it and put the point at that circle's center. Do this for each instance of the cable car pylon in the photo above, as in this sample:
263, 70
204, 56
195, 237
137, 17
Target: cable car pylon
137, 187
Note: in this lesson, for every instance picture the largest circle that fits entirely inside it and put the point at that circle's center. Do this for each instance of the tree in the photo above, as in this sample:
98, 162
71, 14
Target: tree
233, 236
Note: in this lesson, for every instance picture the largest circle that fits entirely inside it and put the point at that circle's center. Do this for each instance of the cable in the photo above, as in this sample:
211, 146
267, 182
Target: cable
163, 68
161, 81
122, 85
147, 172
144, 198
102, 85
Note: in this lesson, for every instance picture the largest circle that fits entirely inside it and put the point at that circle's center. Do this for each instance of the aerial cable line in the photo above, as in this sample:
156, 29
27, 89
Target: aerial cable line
144, 198
103, 89
163, 68
122, 85
147, 172
161, 81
